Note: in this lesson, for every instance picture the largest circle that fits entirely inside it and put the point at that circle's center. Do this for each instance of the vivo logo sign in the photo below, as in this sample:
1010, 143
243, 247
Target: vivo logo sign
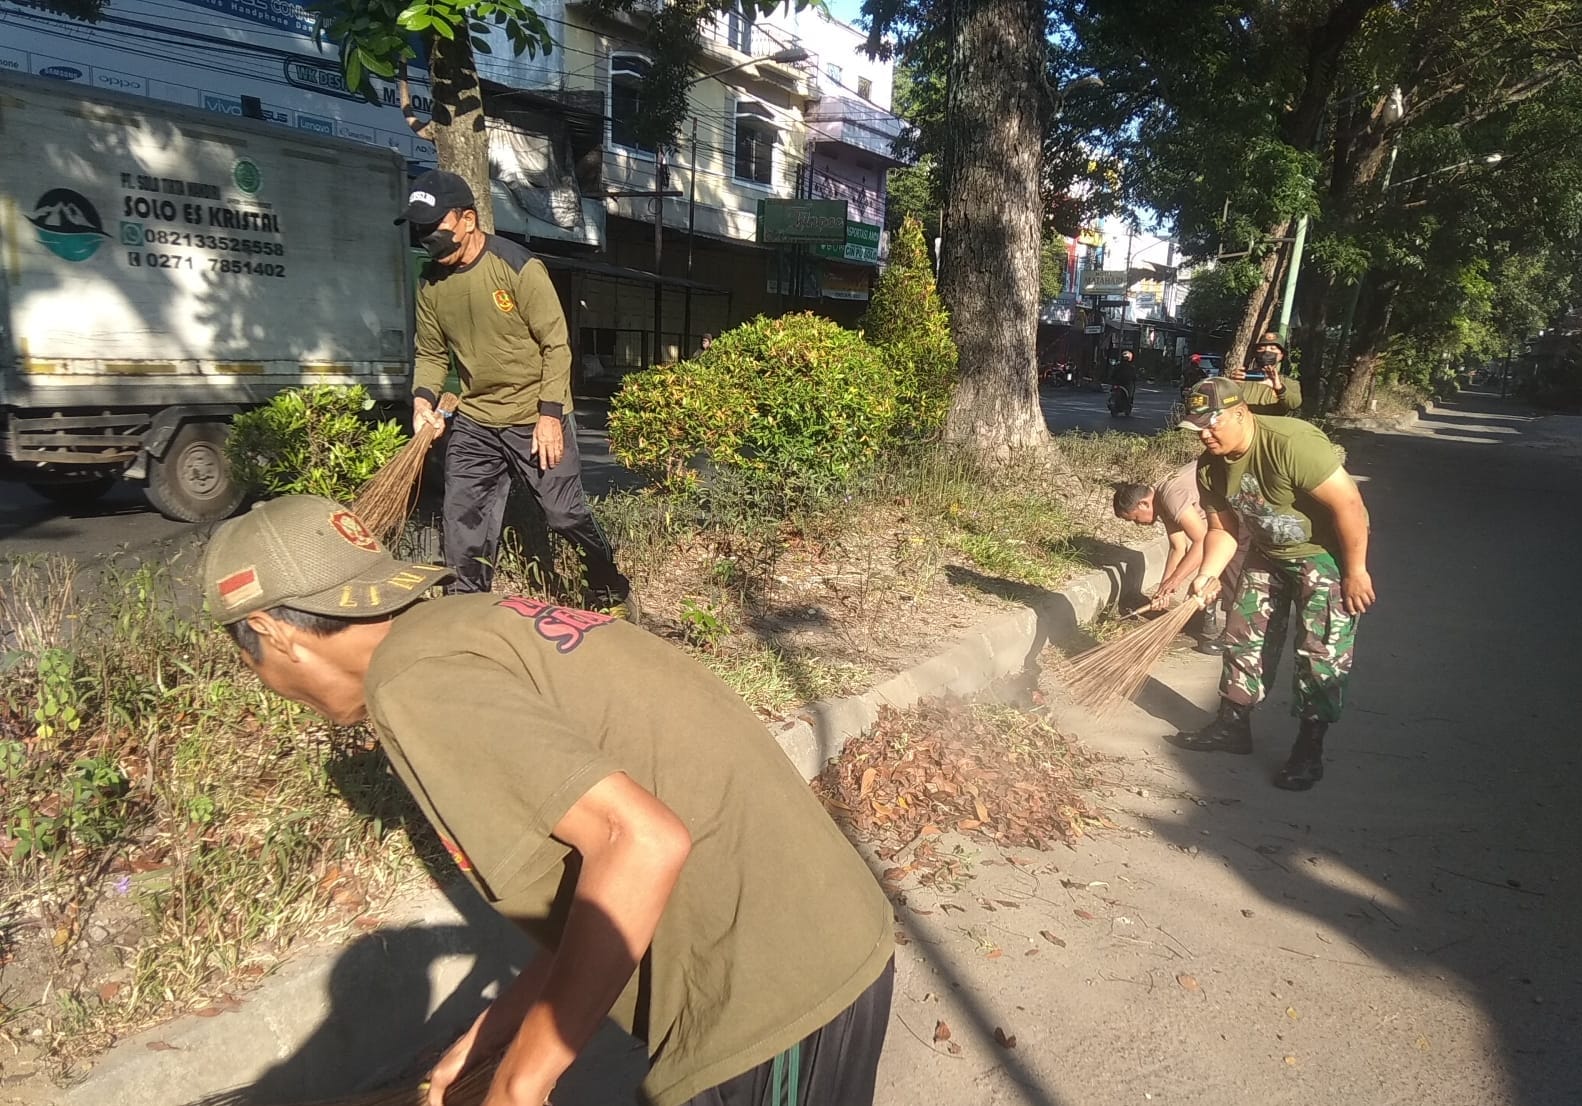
225, 105
61, 72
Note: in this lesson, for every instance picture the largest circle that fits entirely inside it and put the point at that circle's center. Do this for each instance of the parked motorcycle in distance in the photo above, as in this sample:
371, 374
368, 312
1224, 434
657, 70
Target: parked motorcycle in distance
1058, 374
1120, 401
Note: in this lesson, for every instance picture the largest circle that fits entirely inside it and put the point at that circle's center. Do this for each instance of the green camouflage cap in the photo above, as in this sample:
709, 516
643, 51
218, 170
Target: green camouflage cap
309, 553
1208, 398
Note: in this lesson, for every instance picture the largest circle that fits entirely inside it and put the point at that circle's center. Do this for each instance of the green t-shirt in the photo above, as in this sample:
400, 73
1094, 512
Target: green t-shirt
1261, 399
501, 318
499, 714
1269, 487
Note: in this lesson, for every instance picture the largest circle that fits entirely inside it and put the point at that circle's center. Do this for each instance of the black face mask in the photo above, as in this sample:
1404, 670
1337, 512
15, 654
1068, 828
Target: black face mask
439, 243
1268, 358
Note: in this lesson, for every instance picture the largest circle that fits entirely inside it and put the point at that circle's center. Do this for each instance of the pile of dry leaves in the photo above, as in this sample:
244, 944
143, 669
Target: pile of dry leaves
996, 774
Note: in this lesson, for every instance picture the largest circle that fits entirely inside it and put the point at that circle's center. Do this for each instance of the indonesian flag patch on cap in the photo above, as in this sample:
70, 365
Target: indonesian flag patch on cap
240, 587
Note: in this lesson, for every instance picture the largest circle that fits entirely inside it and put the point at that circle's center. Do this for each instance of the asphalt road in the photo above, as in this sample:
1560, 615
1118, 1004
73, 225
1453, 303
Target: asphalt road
123, 519
1087, 410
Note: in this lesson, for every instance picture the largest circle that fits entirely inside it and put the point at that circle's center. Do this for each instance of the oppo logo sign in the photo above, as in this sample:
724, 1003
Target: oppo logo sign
61, 72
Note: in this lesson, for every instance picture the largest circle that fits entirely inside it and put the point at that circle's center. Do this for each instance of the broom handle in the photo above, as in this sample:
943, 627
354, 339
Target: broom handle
1146, 607
448, 403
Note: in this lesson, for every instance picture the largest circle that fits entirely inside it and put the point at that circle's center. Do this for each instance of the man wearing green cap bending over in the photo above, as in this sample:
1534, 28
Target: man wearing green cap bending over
1278, 483
605, 792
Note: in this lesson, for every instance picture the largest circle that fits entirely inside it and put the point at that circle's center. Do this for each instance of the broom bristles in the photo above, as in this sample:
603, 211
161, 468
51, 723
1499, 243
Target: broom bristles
388, 499
1107, 675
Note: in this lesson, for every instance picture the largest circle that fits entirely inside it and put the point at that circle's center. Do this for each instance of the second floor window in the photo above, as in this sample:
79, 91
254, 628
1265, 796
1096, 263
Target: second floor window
756, 135
739, 28
627, 72
832, 71
865, 88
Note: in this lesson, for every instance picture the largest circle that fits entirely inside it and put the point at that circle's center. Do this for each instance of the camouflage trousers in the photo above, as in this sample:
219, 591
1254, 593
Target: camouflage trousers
1255, 629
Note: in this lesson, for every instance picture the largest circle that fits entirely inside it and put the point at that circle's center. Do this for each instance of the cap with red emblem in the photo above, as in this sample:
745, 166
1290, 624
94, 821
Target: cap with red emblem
309, 553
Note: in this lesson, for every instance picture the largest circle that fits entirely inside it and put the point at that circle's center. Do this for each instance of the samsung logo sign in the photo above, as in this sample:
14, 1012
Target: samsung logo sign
61, 72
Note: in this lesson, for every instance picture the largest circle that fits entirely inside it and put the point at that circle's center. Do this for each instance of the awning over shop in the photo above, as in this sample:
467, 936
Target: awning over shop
619, 272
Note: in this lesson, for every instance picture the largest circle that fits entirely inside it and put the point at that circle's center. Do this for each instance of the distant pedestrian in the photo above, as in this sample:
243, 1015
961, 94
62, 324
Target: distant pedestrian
708, 340
603, 791
1175, 504
1278, 483
1275, 394
489, 303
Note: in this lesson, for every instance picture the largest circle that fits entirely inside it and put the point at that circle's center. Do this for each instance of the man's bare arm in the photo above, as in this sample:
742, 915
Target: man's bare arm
1340, 495
632, 848
1219, 548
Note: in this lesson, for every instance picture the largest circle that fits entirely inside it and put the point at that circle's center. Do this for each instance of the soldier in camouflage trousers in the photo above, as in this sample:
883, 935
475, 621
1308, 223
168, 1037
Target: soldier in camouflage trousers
1255, 633
1278, 485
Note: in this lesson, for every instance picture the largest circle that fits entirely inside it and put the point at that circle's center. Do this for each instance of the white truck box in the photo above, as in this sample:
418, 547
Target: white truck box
162, 268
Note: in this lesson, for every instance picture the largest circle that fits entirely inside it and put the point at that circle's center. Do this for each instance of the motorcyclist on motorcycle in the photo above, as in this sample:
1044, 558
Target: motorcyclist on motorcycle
1123, 385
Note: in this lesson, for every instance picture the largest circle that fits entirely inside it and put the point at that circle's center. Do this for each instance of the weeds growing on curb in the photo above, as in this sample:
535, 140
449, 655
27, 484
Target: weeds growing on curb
167, 826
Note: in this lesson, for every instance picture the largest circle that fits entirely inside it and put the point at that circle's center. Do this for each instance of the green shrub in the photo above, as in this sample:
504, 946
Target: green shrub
909, 323
314, 441
796, 401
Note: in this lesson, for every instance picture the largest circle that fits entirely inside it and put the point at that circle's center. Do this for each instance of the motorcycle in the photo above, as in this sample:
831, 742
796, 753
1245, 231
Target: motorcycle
1059, 375
1120, 401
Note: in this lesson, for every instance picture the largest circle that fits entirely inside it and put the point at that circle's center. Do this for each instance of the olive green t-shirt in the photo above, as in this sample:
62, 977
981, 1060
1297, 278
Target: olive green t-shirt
1261, 399
1269, 487
501, 318
500, 713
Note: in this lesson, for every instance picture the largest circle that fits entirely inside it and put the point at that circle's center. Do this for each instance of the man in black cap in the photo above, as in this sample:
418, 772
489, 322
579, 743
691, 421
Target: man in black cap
489, 303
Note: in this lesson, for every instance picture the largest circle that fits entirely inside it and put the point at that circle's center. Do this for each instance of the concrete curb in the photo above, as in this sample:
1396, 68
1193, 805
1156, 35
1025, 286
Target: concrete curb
330, 1021
1370, 422
998, 647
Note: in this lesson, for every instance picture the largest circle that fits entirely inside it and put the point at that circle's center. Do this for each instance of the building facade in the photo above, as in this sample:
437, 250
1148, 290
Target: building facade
782, 108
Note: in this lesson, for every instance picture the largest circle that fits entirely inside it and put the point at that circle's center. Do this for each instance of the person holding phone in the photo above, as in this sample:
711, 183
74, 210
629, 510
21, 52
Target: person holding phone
1264, 385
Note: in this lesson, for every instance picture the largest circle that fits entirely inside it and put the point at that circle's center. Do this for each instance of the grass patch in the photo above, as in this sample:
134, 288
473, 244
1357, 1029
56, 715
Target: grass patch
167, 826
1395, 399
1116, 455
772, 681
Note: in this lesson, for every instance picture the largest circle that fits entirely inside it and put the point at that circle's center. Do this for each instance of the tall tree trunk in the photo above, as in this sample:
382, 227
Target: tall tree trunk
1252, 316
993, 144
1367, 347
460, 138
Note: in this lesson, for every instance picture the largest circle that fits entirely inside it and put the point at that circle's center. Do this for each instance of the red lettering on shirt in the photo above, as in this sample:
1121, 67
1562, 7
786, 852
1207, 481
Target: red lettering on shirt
455, 853
565, 626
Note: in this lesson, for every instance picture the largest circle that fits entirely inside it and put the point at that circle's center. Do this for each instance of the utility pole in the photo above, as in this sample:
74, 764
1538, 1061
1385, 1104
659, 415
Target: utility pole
659, 249
692, 211
1288, 300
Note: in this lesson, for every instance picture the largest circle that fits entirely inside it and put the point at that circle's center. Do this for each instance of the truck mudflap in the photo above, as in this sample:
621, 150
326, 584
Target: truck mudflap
162, 428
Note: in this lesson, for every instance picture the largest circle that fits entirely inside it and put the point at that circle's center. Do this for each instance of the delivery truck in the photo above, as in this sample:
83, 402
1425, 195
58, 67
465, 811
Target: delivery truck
162, 268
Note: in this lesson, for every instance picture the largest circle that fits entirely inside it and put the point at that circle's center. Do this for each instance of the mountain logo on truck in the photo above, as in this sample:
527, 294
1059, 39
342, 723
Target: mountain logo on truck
67, 224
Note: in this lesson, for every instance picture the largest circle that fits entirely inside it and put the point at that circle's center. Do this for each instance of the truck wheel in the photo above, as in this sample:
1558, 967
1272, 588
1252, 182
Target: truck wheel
75, 493
192, 482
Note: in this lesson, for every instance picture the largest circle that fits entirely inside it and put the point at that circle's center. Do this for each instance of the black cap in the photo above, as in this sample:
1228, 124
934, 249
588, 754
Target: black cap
433, 194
